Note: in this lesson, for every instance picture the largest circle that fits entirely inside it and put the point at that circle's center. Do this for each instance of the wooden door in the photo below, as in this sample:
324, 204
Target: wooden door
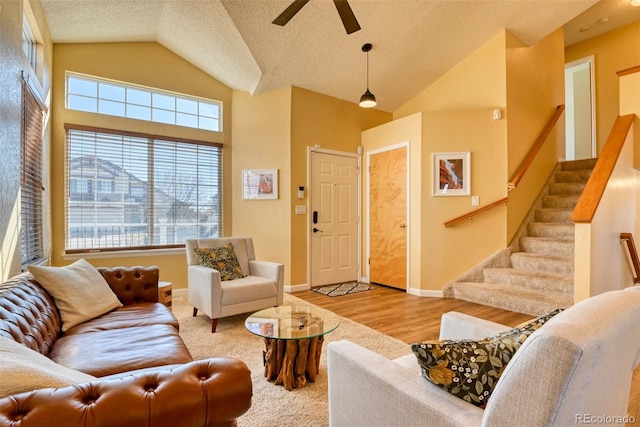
334, 218
388, 218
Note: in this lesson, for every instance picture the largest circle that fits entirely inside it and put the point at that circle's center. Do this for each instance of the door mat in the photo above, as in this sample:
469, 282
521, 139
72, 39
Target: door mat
342, 289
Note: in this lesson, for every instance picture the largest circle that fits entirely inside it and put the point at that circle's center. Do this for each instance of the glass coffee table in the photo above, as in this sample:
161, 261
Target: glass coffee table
293, 336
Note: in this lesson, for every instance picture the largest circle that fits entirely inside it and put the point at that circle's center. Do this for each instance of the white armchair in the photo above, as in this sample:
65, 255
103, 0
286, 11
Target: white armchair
262, 288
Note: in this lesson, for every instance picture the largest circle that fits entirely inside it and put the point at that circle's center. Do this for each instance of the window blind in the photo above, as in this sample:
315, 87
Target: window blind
31, 232
129, 190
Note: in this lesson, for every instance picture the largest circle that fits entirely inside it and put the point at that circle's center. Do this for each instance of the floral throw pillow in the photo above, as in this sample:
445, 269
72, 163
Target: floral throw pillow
223, 259
470, 369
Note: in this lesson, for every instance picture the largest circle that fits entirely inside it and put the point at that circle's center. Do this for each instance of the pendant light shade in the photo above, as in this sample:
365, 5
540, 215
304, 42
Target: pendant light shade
367, 100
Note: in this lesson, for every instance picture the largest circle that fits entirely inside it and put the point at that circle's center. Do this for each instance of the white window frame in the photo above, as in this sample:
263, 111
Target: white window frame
163, 225
162, 107
29, 43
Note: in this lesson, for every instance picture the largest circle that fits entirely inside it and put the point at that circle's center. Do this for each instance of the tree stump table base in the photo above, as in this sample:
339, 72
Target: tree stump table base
292, 362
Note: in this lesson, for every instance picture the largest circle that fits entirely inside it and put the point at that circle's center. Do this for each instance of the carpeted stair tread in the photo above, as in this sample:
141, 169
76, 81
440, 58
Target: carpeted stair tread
566, 188
560, 201
533, 280
581, 175
538, 276
553, 215
551, 229
510, 298
575, 165
548, 245
553, 264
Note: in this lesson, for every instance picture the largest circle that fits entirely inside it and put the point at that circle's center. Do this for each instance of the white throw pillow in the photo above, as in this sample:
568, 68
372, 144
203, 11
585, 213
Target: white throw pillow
23, 369
79, 290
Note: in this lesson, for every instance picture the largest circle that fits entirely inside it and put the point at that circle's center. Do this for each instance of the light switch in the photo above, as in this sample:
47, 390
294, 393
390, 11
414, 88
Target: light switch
301, 209
475, 200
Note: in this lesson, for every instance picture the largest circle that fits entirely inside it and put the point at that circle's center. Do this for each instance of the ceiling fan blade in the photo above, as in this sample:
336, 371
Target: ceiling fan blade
289, 12
346, 14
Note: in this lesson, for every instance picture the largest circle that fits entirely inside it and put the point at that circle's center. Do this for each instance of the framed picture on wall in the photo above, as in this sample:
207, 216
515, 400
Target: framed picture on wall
259, 184
452, 174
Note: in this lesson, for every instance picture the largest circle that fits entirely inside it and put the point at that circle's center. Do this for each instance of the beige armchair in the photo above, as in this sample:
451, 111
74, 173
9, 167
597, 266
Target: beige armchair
262, 287
576, 369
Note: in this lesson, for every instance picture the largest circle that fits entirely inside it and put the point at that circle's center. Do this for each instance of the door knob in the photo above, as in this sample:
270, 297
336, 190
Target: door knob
403, 226
315, 230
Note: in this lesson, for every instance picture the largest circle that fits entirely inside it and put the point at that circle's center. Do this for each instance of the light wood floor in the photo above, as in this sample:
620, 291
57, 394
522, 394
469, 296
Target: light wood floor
410, 318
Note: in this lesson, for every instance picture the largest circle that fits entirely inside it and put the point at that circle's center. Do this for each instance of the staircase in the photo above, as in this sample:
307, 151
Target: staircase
535, 275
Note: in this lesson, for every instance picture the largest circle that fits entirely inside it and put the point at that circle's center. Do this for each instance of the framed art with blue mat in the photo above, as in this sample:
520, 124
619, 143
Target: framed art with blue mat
340, 289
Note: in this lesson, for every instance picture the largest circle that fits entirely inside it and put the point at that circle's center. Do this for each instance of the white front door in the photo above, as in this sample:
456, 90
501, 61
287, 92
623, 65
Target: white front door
334, 218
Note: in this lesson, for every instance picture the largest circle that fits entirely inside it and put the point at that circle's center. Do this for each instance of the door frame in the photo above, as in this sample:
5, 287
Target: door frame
581, 63
367, 207
358, 157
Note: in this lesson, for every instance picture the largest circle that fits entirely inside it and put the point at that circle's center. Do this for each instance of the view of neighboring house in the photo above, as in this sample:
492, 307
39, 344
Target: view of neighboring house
108, 206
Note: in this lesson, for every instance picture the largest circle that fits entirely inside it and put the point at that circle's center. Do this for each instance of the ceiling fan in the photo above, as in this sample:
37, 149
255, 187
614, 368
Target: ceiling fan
344, 10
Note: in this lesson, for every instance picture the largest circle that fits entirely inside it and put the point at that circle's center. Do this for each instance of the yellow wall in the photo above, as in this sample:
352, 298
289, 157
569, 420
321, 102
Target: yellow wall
405, 130
526, 84
614, 51
261, 140
535, 87
330, 123
478, 81
457, 116
274, 130
447, 252
131, 62
11, 65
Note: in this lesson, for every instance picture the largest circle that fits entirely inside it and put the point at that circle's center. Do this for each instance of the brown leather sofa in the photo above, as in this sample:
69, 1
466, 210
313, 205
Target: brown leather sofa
147, 375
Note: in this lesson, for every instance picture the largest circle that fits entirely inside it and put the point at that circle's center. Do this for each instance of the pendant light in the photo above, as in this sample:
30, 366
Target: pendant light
367, 100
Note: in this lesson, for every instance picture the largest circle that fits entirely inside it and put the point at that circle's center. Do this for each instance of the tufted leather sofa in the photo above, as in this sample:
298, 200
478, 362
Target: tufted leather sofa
146, 373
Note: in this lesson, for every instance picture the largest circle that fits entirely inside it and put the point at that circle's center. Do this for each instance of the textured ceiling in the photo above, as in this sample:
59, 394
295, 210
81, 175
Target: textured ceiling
414, 41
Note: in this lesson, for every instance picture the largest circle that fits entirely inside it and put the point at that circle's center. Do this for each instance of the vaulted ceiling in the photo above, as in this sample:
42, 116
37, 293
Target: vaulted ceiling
414, 41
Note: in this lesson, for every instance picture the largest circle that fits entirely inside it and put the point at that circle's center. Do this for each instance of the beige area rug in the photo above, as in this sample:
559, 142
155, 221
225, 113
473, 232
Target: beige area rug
273, 405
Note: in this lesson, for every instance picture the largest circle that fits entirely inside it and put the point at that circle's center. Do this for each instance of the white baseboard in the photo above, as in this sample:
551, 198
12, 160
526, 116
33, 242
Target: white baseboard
180, 293
296, 288
426, 293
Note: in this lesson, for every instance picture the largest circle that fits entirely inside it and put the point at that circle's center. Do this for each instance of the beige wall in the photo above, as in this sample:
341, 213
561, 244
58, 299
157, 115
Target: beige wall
11, 65
131, 62
600, 259
614, 51
630, 104
404, 130
535, 87
601, 262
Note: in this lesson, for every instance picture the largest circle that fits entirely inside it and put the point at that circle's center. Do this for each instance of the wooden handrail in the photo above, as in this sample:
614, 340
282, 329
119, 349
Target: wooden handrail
633, 254
592, 194
629, 70
537, 145
476, 212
